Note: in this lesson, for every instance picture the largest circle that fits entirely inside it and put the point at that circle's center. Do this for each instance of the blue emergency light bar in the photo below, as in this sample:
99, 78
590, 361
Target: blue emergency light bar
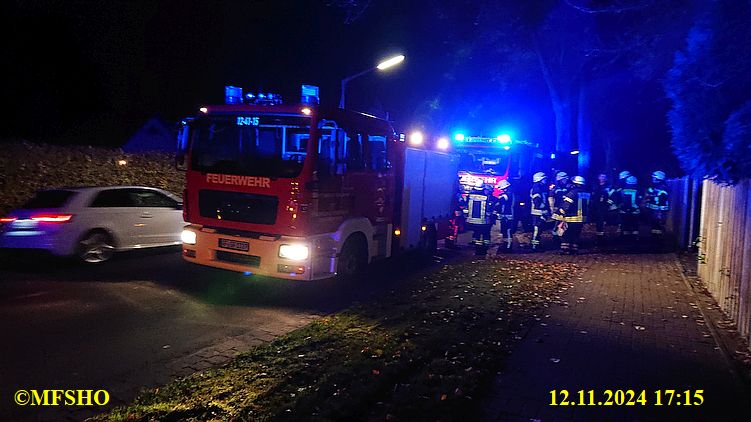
500, 140
234, 95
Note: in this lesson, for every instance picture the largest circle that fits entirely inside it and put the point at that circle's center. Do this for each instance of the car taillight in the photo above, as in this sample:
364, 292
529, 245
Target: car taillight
52, 218
8, 219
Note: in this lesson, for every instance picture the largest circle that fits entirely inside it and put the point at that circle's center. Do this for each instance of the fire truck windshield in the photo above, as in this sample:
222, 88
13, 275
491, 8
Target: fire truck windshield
260, 145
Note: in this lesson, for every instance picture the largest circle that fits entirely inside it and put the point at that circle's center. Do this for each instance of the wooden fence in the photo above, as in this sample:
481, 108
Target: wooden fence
725, 249
683, 218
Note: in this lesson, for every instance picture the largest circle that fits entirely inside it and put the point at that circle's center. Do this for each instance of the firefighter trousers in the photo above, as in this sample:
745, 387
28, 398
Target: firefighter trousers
570, 238
508, 227
481, 237
630, 226
538, 225
656, 222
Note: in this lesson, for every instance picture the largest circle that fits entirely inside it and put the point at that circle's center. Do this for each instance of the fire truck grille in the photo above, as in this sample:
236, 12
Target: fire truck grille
237, 206
249, 260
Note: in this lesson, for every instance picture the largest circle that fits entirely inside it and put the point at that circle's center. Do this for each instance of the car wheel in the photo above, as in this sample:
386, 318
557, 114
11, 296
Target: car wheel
354, 257
96, 247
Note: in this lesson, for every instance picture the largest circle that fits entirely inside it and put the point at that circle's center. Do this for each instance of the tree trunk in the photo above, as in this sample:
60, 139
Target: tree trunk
584, 132
564, 125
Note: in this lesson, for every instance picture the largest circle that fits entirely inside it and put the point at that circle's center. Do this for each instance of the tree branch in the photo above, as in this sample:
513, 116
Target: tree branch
618, 7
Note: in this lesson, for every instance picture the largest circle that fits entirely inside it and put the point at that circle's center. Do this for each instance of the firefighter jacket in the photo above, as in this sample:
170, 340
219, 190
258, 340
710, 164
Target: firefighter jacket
630, 199
504, 207
480, 208
604, 198
557, 193
573, 206
539, 197
656, 198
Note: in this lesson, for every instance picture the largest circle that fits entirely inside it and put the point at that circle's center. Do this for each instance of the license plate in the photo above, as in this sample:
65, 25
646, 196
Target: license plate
234, 244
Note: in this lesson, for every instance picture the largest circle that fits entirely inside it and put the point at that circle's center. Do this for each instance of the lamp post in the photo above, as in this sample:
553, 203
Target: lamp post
381, 66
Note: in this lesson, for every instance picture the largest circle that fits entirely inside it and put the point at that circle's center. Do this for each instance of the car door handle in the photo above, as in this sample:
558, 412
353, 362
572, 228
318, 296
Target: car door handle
146, 215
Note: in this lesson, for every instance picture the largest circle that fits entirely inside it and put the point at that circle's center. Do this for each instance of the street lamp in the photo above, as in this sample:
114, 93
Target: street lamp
381, 66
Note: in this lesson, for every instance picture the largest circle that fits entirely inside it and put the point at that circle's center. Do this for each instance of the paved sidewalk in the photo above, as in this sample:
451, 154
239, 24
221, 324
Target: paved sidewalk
629, 322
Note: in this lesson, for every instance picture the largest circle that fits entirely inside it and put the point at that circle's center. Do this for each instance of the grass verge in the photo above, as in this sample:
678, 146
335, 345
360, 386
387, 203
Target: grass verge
421, 353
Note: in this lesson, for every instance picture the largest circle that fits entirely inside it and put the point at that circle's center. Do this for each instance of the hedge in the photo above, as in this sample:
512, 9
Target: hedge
26, 167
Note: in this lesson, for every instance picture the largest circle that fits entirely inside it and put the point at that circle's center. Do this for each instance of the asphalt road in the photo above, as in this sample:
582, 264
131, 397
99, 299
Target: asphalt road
143, 319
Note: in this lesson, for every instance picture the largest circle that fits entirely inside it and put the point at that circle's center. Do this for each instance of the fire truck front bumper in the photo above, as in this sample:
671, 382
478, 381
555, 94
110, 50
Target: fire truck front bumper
273, 256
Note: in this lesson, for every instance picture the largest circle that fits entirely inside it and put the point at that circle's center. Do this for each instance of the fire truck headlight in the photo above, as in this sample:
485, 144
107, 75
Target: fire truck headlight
415, 138
188, 237
443, 143
293, 252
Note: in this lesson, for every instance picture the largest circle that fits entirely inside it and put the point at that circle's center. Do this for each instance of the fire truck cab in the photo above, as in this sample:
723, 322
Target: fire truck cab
300, 191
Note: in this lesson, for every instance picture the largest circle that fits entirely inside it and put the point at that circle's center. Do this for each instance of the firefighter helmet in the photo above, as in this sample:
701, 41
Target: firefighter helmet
625, 174
579, 180
538, 177
659, 175
561, 175
503, 184
631, 180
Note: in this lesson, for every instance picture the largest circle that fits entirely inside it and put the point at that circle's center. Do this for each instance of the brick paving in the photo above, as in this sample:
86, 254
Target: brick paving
630, 321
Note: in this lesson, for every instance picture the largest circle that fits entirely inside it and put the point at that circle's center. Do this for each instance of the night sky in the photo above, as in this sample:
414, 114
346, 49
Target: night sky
94, 71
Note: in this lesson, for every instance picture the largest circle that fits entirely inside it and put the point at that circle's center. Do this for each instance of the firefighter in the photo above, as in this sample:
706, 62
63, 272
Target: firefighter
455, 224
457, 220
560, 187
630, 199
571, 213
480, 217
656, 204
618, 186
602, 206
504, 210
557, 191
540, 208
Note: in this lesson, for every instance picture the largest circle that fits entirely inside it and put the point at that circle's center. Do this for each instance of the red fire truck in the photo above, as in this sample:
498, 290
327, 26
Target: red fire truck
307, 192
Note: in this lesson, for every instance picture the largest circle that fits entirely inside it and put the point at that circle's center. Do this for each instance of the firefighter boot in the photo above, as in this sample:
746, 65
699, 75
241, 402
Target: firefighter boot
449, 243
481, 249
505, 246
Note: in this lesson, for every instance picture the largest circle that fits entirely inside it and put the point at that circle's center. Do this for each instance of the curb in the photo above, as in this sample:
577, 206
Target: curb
740, 376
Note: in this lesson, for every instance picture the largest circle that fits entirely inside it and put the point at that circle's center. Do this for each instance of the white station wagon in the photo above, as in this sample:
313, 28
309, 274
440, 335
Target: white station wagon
94, 222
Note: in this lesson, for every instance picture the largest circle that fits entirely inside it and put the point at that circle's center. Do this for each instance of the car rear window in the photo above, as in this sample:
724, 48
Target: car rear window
49, 199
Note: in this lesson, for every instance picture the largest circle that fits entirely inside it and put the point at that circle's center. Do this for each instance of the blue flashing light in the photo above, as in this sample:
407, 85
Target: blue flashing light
552, 156
574, 152
247, 273
459, 137
507, 147
233, 94
504, 139
309, 95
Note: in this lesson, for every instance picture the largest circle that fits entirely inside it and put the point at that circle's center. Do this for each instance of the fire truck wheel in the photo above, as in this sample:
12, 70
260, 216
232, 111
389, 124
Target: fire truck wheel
354, 256
96, 246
